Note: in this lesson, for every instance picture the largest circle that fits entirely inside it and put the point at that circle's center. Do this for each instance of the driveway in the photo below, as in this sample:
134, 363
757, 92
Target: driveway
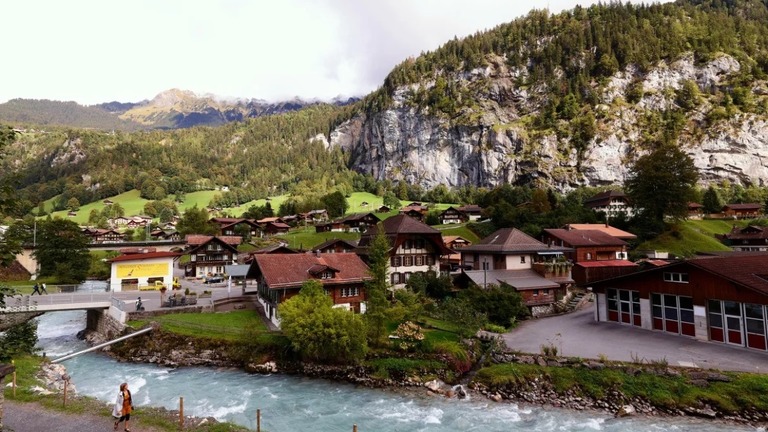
578, 335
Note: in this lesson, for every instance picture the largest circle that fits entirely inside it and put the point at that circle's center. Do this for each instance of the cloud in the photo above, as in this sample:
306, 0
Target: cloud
94, 51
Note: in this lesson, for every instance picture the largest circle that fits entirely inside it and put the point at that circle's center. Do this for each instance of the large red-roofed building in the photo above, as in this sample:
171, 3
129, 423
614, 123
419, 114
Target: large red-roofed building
720, 299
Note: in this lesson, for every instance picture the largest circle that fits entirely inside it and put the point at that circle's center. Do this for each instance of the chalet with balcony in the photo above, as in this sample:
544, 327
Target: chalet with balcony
452, 262
165, 234
751, 238
416, 211
415, 247
209, 254
336, 246
536, 270
742, 211
280, 277
332, 226
98, 235
359, 222
611, 203
718, 299
596, 255
452, 215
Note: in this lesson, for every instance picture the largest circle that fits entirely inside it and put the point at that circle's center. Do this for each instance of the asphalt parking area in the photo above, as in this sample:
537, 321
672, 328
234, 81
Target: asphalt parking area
577, 334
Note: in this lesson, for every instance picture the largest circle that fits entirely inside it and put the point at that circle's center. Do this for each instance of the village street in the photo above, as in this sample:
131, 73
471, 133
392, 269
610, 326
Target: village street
578, 335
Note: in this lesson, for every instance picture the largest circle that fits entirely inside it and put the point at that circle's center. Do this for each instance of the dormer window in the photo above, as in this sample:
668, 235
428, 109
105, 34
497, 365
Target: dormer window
326, 275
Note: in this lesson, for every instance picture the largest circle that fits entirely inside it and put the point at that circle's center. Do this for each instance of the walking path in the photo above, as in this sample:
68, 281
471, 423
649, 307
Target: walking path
31, 417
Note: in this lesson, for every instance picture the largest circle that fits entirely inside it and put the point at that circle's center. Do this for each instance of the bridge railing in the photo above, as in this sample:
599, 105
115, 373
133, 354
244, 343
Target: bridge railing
29, 303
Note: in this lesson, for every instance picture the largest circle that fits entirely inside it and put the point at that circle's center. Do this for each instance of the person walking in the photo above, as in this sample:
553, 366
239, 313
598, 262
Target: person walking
36, 289
42, 288
123, 407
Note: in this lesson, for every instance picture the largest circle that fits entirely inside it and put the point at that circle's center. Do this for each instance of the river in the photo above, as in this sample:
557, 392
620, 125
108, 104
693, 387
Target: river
291, 403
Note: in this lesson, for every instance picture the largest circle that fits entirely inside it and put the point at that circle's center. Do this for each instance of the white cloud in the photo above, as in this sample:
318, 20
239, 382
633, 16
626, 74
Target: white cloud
94, 51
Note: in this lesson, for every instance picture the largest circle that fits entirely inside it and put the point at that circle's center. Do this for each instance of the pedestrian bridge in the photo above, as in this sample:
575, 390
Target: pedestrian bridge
105, 302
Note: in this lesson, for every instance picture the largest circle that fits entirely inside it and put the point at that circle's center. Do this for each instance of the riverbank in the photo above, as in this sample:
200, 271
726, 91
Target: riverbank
608, 387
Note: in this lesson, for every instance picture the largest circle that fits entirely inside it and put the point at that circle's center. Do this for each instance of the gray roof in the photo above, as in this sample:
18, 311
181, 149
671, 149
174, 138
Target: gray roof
237, 270
519, 279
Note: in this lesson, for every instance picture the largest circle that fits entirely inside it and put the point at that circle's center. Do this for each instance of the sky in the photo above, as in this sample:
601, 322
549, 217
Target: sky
103, 50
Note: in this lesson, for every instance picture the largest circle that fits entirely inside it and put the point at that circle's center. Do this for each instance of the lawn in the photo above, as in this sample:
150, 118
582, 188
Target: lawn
130, 201
199, 199
275, 202
687, 238
460, 230
306, 238
221, 325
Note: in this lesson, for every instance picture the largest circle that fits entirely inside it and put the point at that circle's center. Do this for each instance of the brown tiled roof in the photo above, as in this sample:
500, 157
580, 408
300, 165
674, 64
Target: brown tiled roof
747, 206
351, 243
511, 240
580, 238
279, 225
604, 198
471, 208
606, 263
292, 270
402, 224
747, 233
358, 217
750, 271
196, 239
604, 228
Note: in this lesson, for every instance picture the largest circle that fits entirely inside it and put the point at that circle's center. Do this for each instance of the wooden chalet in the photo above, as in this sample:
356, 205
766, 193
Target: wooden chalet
452, 262
742, 211
98, 235
236, 226
359, 222
280, 277
474, 212
718, 299
383, 209
611, 203
416, 247
272, 228
596, 255
751, 238
416, 212
452, 215
336, 246
695, 210
209, 254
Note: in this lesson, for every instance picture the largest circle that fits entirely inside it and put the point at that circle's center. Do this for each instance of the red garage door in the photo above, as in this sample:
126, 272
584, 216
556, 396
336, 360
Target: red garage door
623, 306
673, 314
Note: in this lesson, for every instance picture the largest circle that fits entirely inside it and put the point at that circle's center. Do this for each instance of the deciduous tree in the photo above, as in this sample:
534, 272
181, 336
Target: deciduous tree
62, 250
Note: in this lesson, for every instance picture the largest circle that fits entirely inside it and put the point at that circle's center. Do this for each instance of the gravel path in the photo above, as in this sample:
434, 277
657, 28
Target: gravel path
30, 417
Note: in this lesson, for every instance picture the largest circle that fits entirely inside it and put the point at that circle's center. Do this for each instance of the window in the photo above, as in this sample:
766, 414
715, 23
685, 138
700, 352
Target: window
420, 244
419, 260
589, 256
522, 259
535, 293
407, 276
430, 260
395, 278
326, 275
350, 292
546, 291
396, 261
676, 277
407, 261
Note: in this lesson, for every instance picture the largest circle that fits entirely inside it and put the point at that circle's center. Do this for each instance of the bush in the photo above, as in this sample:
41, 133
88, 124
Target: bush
493, 328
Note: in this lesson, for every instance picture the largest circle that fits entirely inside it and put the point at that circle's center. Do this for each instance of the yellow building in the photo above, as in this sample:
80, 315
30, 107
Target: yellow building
142, 270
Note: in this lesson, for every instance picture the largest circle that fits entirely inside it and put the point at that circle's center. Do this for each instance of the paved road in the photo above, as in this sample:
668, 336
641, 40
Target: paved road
30, 417
578, 335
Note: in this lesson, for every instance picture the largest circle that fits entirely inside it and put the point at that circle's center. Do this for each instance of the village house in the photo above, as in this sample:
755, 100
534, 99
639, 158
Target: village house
417, 212
605, 228
720, 299
473, 211
236, 226
536, 270
165, 234
415, 247
336, 246
138, 267
611, 203
742, 211
748, 239
452, 262
383, 209
452, 215
272, 228
278, 248
596, 255
98, 235
332, 226
359, 222
280, 277
209, 254
695, 211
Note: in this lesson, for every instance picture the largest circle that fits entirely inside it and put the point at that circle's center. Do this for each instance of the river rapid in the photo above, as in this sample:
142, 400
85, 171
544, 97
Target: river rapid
292, 403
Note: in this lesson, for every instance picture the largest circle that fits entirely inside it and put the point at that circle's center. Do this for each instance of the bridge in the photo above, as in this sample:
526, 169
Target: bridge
116, 305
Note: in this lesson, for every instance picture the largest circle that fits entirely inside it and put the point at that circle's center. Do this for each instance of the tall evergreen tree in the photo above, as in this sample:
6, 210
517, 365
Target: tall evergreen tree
378, 287
711, 201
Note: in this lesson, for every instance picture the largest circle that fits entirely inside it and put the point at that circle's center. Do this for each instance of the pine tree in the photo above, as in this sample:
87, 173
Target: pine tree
377, 305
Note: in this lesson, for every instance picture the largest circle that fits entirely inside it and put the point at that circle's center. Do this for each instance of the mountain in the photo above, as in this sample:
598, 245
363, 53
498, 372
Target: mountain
572, 99
172, 109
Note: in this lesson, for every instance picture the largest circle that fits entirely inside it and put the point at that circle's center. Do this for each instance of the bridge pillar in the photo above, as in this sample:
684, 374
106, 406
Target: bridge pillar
101, 323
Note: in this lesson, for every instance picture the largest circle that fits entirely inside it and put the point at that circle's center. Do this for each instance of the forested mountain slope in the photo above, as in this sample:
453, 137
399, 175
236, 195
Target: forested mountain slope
571, 99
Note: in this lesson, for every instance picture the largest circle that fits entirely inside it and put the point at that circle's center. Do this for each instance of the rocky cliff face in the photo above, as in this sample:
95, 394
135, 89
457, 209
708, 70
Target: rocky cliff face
491, 143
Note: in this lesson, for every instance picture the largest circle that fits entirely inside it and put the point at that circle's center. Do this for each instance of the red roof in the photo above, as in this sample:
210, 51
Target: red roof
292, 270
578, 238
750, 271
606, 263
144, 256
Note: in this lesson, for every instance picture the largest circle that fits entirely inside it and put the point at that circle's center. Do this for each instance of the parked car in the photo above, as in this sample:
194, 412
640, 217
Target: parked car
214, 279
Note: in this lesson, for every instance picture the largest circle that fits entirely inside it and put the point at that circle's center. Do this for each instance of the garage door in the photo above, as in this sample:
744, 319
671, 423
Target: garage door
624, 306
673, 314
738, 323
